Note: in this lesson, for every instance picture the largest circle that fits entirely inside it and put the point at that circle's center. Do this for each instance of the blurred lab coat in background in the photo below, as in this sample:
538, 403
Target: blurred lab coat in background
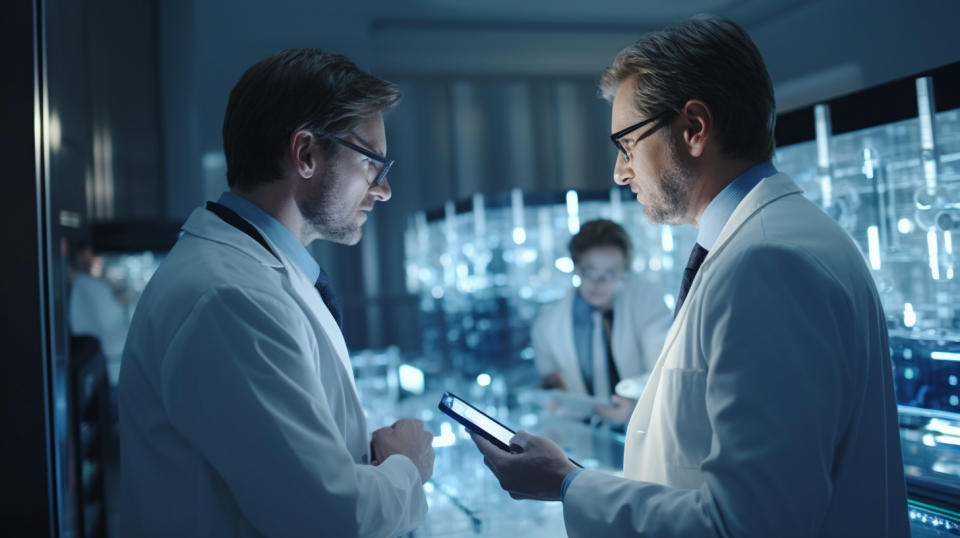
640, 322
94, 310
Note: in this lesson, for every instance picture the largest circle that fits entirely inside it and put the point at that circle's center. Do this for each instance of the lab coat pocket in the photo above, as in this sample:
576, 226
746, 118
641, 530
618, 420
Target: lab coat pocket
684, 392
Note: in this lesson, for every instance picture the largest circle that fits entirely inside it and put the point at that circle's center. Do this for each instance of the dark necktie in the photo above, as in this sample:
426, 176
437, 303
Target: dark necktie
323, 282
693, 265
329, 298
607, 340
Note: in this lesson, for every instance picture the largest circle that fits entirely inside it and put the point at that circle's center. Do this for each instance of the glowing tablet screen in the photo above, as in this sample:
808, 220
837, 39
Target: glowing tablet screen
481, 420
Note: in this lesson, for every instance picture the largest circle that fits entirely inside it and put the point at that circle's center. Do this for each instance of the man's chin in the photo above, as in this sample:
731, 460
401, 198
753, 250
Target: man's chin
352, 238
658, 215
653, 214
344, 237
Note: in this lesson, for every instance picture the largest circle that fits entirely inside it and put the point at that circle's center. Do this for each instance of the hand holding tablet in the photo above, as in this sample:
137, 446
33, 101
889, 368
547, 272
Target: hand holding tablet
479, 422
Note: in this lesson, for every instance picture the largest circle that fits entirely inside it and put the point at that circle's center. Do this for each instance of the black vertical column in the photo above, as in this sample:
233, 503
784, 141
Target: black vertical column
26, 465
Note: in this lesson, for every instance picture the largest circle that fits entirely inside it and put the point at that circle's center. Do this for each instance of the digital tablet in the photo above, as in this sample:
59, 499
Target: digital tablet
479, 422
476, 420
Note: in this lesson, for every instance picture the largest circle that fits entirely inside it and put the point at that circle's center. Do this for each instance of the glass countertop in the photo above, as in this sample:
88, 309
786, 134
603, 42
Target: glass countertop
464, 496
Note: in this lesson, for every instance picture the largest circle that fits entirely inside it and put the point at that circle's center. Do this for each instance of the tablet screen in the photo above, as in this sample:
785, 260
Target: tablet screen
481, 420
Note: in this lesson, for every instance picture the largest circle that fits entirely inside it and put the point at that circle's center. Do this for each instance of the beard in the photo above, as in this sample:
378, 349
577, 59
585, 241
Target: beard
671, 196
324, 212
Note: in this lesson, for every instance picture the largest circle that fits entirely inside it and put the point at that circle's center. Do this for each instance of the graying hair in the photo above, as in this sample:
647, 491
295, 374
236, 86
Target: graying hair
707, 57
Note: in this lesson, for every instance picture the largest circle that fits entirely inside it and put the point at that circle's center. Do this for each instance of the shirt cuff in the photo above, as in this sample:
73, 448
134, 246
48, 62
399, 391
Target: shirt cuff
566, 482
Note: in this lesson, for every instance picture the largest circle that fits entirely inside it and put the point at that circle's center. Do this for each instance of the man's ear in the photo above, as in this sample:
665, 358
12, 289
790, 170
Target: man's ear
697, 125
303, 153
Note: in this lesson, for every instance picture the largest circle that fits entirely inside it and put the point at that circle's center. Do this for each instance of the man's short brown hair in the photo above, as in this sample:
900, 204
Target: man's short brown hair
291, 90
710, 58
601, 232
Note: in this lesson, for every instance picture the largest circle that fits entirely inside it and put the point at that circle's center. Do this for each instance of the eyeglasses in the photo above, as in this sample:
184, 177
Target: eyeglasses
615, 137
387, 163
602, 277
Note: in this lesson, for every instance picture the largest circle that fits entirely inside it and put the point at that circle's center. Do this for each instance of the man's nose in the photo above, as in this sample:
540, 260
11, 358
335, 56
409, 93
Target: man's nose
622, 171
382, 191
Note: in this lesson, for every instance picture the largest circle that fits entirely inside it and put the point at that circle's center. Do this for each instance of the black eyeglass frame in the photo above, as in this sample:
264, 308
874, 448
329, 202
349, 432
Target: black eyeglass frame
615, 137
387, 163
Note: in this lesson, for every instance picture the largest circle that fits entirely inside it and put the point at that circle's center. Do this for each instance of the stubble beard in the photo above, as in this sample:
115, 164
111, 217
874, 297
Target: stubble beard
672, 200
324, 214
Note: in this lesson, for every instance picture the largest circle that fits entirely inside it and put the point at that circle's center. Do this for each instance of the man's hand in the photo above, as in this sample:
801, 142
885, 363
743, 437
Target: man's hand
406, 437
619, 412
533, 469
552, 381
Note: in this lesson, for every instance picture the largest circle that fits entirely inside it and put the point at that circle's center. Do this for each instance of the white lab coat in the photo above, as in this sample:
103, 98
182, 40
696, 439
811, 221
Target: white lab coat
239, 415
640, 322
95, 311
771, 409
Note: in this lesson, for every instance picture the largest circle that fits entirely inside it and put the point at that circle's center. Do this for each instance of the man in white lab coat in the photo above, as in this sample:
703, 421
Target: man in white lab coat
238, 411
771, 410
611, 327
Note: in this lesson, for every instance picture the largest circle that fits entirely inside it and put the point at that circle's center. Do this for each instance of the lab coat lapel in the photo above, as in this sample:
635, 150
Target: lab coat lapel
622, 335
768, 190
305, 289
640, 419
206, 224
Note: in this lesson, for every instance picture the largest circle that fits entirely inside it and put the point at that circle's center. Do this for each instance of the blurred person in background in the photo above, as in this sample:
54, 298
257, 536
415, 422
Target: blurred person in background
239, 415
610, 327
96, 309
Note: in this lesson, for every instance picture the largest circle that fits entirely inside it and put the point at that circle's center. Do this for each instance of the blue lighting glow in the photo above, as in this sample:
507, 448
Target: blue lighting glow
446, 437
873, 246
519, 235
666, 238
564, 264
909, 320
411, 379
573, 212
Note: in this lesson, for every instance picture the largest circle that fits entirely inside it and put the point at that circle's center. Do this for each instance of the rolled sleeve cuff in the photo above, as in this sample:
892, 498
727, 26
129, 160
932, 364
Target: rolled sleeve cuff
567, 480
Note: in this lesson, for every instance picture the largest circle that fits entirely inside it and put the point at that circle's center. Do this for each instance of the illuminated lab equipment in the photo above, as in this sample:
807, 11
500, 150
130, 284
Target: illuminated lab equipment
884, 163
483, 267
895, 188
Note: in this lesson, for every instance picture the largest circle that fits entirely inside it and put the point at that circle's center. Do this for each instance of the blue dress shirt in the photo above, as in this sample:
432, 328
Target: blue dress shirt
566, 482
279, 234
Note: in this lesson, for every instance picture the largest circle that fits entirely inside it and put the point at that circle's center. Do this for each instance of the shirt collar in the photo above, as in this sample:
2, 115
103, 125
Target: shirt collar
279, 235
719, 209
582, 311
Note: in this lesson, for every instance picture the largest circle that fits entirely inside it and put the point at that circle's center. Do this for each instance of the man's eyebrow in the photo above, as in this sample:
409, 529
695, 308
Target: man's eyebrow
366, 144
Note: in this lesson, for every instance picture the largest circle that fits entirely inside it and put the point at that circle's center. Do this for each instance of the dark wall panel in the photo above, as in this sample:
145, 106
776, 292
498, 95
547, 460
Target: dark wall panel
24, 458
